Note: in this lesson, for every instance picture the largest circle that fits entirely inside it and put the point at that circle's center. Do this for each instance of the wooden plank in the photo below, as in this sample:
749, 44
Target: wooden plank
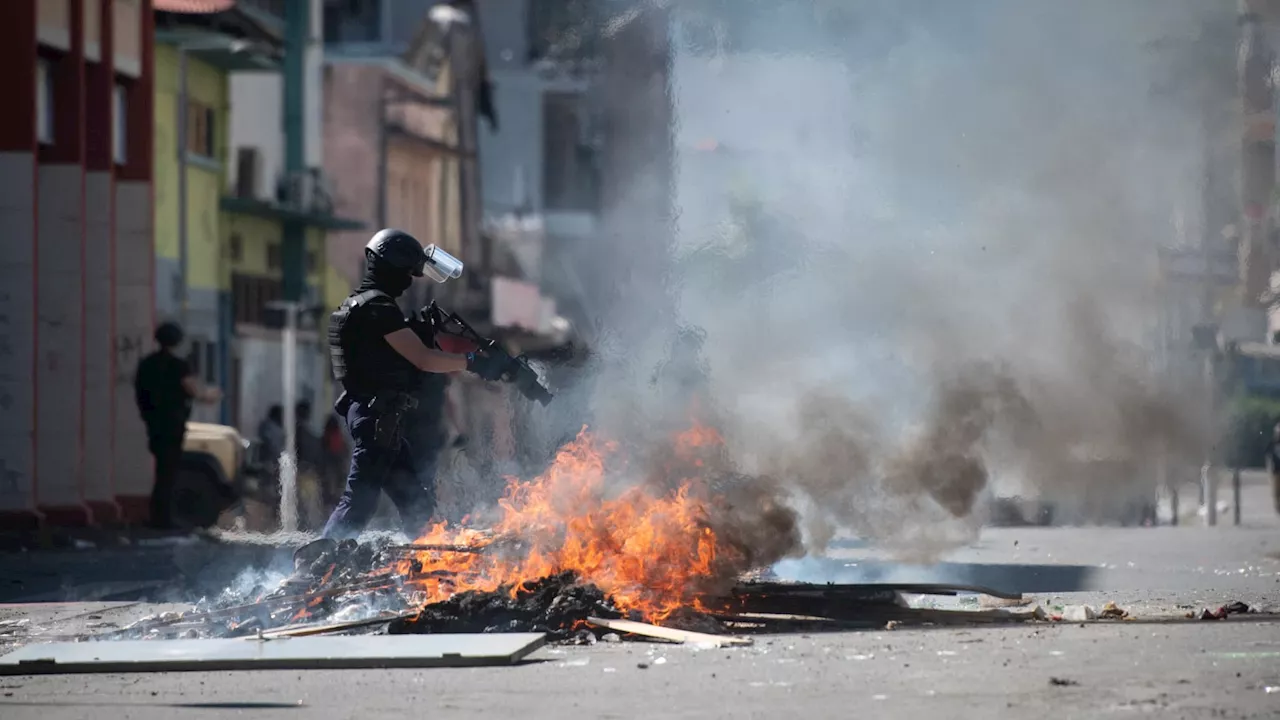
672, 634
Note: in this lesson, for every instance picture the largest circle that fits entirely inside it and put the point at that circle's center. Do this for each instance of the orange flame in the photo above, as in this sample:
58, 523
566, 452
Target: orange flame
650, 550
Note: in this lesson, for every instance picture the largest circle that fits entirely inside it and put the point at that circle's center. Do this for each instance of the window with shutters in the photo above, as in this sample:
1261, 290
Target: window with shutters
250, 297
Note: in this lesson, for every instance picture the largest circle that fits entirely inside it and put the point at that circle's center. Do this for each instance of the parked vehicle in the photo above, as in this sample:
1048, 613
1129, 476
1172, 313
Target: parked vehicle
218, 470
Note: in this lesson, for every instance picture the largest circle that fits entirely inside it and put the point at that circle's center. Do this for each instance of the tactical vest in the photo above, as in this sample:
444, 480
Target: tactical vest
343, 336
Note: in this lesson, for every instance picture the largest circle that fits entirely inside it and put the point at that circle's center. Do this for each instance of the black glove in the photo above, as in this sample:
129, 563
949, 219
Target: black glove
489, 366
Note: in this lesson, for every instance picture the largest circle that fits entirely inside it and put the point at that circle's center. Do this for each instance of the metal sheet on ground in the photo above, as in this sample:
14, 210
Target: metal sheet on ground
371, 651
1011, 579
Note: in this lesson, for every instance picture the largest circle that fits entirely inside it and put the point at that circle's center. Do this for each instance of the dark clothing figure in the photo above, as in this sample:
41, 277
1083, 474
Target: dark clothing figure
163, 402
307, 443
377, 382
380, 385
374, 370
271, 434
372, 365
168, 462
165, 407
164, 391
271, 441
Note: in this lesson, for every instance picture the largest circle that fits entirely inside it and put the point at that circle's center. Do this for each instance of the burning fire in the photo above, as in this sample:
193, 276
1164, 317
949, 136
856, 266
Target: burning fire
649, 549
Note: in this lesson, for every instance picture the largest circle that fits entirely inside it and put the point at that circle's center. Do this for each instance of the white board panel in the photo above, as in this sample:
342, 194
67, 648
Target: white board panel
361, 651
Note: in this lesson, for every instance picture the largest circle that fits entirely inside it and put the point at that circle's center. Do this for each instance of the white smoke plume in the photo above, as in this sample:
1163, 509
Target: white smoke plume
916, 245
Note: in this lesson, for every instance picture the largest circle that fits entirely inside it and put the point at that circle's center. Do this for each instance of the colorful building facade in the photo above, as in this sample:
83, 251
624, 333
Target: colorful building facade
76, 264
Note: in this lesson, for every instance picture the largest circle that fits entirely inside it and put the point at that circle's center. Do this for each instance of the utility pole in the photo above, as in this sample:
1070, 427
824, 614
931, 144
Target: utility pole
293, 248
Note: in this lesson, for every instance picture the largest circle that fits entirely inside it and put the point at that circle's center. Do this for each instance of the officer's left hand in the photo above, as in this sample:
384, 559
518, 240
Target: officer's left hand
488, 366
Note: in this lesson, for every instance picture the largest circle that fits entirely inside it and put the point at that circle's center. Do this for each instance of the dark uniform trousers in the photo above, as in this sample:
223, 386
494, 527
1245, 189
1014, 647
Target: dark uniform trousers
375, 469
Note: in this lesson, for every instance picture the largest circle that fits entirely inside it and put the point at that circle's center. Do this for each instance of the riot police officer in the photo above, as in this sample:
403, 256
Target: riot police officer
378, 358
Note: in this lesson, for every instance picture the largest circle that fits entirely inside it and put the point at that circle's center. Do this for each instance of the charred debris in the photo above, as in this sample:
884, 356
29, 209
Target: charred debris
376, 588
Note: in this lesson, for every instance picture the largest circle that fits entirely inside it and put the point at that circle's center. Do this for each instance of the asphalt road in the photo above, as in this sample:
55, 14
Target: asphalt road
1175, 669
1116, 670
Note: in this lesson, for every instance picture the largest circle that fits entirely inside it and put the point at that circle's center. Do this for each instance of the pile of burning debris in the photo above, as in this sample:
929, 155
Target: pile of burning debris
379, 587
569, 555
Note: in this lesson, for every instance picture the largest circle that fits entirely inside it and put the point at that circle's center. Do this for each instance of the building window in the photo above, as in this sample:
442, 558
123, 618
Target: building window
236, 248
44, 102
250, 297
274, 261
201, 132
119, 124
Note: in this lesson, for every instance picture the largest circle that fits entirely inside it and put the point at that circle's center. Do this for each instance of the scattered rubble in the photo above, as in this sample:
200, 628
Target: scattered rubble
377, 587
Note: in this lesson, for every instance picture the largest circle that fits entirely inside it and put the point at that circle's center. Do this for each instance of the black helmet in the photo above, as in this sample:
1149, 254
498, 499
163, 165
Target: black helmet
396, 249
168, 335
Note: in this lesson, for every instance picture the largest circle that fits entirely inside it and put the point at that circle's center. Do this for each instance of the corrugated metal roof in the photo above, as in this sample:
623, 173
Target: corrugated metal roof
193, 6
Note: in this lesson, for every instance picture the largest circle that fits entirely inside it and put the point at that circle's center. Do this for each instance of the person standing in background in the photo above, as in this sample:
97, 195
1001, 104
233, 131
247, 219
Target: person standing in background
165, 385
271, 434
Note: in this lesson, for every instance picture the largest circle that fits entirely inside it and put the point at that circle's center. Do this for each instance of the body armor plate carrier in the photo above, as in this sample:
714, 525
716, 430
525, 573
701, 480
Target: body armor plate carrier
337, 323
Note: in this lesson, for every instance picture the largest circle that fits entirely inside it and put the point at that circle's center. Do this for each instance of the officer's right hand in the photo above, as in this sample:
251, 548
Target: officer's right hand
489, 366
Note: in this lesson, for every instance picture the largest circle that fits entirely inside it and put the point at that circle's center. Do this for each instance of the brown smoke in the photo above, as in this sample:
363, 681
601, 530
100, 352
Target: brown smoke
919, 491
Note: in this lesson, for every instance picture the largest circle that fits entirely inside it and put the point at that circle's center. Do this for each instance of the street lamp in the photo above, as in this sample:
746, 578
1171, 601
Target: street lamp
289, 458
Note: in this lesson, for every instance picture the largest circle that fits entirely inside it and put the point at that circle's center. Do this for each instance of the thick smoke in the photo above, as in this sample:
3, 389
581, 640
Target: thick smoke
912, 258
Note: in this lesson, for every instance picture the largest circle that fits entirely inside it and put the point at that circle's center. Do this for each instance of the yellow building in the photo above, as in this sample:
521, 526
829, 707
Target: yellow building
223, 276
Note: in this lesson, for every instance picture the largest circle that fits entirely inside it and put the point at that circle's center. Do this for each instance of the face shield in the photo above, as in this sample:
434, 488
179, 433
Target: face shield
440, 265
